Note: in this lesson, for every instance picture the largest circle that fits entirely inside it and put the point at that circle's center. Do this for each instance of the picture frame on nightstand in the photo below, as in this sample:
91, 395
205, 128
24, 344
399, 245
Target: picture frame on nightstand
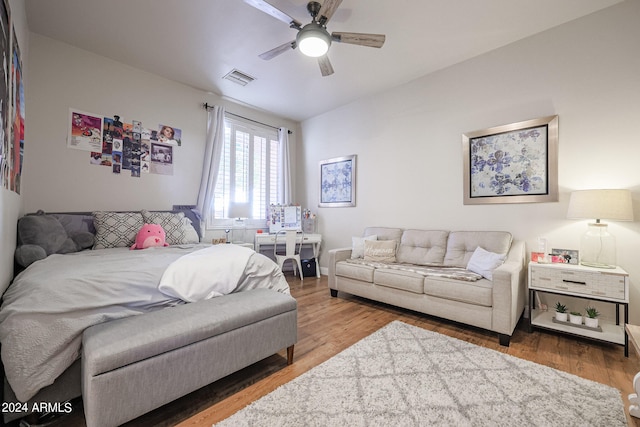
565, 256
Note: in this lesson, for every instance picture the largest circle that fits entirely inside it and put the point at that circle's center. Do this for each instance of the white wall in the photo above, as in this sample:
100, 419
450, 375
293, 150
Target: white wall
408, 139
61, 179
11, 203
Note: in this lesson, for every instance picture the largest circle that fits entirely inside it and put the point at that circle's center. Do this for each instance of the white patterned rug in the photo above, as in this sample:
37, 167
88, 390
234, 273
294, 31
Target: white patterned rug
402, 375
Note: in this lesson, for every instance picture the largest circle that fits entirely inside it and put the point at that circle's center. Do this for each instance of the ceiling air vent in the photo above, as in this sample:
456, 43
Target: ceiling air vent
238, 77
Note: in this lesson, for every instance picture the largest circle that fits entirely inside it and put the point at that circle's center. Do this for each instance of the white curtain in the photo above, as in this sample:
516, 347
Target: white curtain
211, 161
285, 193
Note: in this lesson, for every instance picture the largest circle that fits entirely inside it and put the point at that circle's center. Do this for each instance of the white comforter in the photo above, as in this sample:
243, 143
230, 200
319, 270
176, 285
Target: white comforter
52, 302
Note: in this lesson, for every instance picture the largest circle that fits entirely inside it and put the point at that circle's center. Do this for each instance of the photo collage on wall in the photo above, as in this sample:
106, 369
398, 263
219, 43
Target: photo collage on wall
11, 104
124, 146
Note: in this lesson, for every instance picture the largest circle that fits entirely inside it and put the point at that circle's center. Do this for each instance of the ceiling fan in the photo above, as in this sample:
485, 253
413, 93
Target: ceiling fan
313, 39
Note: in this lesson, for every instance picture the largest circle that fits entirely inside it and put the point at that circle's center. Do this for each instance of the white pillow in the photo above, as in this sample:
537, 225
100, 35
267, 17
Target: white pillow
484, 262
190, 233
357, 249
380, 250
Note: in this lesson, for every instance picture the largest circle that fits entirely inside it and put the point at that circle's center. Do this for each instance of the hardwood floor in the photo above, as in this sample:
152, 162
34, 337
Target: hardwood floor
328, 325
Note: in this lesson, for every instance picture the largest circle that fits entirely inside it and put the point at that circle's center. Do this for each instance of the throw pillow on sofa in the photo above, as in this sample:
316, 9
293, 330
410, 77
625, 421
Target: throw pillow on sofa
484, 262
357, 249
380, 250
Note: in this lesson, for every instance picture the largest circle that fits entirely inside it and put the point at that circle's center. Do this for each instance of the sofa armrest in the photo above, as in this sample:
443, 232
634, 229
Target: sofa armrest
336, 255
509, 290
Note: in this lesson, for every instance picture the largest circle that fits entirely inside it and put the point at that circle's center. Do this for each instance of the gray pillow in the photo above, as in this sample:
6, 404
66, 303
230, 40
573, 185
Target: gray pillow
41, 235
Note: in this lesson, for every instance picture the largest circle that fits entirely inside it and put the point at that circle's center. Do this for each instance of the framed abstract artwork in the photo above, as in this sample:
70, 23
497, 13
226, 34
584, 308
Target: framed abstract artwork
515, 163
338, 182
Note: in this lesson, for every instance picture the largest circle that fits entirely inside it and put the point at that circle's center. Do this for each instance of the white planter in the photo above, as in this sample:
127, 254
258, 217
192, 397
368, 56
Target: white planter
577, 320
561, 317
591, 322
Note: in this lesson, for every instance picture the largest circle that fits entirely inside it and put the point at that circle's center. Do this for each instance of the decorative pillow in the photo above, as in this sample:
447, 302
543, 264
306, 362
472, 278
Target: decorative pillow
116, 229
41, 235
484, 262
380, 250
357, 250
190, 233
170, 222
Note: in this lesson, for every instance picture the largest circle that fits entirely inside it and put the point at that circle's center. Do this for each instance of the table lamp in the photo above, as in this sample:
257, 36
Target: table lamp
597, 245
239, 211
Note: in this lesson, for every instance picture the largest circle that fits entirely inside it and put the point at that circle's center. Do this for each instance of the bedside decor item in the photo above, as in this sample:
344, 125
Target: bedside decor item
240, 212
597, 245
338, 182
591, 319
575, 317
564, 256
515, 163
561, 312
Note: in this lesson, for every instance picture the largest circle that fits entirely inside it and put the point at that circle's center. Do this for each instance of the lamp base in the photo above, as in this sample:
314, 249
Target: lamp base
597, 265
598, 247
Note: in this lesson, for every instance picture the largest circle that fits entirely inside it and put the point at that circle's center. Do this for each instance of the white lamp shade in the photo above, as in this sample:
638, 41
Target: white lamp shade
601, 204
239, 210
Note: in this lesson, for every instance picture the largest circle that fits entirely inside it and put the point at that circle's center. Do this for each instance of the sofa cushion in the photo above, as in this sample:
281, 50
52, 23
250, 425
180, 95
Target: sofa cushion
399, 279
477, 293
422, 247
384, 233
462, 244
380, 250
355, 271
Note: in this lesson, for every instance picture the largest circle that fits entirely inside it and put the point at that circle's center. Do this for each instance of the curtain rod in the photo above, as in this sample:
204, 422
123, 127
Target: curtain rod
207, 107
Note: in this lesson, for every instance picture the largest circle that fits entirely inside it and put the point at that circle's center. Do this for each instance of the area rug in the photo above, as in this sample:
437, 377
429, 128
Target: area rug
402, 375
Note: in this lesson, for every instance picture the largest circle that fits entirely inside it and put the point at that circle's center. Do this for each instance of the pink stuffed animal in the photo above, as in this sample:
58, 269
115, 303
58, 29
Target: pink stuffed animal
150, 235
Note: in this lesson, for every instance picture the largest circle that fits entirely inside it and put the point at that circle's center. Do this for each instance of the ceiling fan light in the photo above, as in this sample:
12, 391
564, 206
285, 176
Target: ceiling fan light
313, 40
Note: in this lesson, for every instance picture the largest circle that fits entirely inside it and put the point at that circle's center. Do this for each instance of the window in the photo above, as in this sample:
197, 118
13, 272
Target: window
249, 168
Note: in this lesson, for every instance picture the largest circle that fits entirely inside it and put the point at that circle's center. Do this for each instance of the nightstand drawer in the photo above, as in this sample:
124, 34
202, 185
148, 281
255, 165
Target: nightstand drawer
598, 284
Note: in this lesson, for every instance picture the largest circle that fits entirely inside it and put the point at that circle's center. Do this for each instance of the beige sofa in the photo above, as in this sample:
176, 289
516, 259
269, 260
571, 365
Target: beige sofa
430, 275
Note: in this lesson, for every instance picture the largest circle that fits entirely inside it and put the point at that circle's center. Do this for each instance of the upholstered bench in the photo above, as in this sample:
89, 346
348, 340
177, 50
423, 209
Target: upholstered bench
133, 365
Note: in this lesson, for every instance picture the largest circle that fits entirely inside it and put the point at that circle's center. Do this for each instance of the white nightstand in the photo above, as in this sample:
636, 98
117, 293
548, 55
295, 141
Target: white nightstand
596, 284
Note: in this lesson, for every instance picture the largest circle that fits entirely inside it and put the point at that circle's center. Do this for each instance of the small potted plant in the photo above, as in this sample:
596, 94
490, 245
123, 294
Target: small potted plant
575, 317
592, 317
561, 312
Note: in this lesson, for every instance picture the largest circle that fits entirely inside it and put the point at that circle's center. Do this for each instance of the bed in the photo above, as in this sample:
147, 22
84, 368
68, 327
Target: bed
50, 304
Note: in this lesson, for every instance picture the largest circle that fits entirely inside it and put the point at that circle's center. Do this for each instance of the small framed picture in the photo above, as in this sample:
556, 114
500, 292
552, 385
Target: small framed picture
564, 256
537, 256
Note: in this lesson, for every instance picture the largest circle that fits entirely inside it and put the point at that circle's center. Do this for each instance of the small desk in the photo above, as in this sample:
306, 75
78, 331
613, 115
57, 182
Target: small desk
634, 398
309, 239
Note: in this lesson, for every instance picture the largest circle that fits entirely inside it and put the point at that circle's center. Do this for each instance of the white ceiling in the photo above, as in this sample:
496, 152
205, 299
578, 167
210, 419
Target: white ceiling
196, 42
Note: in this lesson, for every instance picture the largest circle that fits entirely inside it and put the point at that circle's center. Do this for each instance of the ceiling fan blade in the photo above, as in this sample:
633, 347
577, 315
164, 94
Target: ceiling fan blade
325, 65
273, 11
362, 39
327, 10
278, 50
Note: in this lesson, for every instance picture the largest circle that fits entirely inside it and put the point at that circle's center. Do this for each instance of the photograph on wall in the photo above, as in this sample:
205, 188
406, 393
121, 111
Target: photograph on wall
4, 90
145, 152
169, 135
161, 158
16, 145
116, 157
135, 150
85, 131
